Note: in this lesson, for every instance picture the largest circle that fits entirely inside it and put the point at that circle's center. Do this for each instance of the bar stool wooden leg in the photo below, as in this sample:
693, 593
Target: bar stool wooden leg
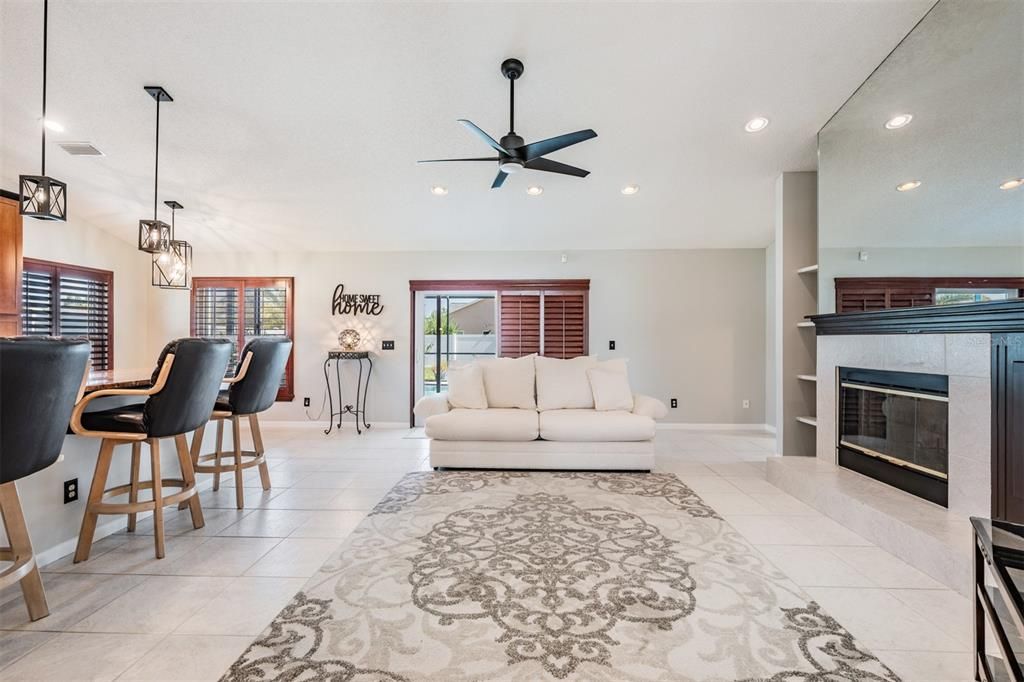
197, 448
21, 550
217, 452
158, 498
257, 441
236, 435
99, 483
133, 494
189, 476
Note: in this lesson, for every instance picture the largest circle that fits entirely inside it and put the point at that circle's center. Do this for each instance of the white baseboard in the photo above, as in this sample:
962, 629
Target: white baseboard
269, 423
683, 426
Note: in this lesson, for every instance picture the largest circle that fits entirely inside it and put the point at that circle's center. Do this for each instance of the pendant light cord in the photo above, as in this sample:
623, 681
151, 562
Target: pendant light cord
156, 171
46, 4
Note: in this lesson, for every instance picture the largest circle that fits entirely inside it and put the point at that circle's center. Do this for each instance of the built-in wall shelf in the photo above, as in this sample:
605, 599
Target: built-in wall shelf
807, 270
806, 377
805, 323
810, 421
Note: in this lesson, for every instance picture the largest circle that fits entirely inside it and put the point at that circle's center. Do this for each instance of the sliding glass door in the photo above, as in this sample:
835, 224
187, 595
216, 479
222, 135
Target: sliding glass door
457, 329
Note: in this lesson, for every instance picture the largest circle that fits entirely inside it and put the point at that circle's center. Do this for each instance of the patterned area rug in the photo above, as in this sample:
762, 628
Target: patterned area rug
551, 576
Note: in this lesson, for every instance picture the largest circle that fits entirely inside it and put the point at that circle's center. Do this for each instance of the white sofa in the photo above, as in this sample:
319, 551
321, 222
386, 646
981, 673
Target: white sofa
557, 426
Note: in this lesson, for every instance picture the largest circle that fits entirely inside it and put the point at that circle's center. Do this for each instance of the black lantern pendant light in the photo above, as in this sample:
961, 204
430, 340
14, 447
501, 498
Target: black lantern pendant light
172, 269
155, 234
41, 196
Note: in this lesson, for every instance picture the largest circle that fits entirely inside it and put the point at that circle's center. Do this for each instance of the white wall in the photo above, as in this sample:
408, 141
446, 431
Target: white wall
771, 318
692, 322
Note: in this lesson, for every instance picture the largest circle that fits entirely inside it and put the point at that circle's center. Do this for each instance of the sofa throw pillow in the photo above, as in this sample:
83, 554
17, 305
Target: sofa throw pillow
509, 382
563, 384
466, 387
614, 365
611, 389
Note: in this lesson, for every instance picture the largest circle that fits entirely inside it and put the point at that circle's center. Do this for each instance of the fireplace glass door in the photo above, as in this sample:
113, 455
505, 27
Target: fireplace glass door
895, 419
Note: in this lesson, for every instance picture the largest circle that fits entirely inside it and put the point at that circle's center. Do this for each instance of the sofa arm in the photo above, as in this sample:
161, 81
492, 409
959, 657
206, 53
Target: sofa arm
430, 405
647, 406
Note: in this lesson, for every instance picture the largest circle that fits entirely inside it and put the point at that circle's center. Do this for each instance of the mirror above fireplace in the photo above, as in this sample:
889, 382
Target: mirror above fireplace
921, 172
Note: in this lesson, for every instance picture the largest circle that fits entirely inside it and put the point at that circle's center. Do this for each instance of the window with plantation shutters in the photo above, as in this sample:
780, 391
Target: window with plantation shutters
519, 324
240, 309
859, 294
552, 323
70, 301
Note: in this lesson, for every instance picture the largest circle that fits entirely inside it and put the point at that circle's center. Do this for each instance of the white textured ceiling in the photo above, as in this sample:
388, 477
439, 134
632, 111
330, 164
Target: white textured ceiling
296, 126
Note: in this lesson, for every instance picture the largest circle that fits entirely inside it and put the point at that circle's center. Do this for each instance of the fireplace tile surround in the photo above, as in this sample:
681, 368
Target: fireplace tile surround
965, 359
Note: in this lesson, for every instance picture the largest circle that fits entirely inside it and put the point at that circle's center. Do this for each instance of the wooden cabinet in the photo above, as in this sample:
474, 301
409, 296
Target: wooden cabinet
10, 267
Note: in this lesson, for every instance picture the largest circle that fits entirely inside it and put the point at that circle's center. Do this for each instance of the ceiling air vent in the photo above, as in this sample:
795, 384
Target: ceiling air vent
80, 149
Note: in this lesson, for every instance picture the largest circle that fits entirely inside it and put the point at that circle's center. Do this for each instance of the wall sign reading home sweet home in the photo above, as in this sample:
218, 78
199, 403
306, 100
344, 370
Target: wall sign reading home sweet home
355, 304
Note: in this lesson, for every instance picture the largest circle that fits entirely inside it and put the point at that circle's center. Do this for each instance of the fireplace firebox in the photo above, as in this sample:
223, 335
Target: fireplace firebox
894, 427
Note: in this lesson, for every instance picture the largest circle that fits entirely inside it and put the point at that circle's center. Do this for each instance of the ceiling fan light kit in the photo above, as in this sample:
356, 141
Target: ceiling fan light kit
513, 153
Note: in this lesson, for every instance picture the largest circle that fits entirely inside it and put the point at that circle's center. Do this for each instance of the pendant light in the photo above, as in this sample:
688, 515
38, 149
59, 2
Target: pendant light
41, 196
155, 234
172, 269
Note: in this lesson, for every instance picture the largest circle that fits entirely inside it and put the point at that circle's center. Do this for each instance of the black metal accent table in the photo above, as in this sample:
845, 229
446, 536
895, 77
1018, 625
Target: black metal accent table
999, 557
359, 410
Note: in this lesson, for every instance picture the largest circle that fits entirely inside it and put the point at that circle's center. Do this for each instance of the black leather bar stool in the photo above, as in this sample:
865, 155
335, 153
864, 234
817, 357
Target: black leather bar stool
185, 385
41, 379
252, 390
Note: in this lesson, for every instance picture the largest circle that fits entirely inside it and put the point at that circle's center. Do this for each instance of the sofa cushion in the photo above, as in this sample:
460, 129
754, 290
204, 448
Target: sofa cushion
508, 382
494, 424
466, 387
563, 384
594, 426
611, 390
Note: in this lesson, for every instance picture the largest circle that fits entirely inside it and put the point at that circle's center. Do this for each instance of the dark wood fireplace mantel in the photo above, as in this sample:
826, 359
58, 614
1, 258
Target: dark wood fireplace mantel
992, 317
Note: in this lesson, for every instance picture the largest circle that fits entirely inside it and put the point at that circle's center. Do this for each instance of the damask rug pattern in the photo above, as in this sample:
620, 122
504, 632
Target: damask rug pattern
551, 576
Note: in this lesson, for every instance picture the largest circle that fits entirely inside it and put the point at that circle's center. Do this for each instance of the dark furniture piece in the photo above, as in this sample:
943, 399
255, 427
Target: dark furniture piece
252, 390
185, 385
998, 581
41, 379
359, 410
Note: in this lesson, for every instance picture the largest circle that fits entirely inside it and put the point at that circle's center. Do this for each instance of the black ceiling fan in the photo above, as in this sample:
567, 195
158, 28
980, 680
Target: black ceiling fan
513, 153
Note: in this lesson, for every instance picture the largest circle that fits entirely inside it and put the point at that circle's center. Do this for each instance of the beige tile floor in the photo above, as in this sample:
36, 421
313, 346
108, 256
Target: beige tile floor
124, 615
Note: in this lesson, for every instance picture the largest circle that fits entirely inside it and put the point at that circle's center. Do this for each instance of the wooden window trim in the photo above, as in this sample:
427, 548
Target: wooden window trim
541, 286
287, 393
55, 270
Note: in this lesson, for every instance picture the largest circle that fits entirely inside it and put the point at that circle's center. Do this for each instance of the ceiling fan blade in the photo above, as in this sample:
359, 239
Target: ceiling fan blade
499, 180
553, 144
482, 158
556, 167
483, 136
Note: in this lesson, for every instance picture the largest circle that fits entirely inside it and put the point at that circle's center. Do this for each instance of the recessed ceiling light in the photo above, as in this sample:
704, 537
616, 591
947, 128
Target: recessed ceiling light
53, 125
899, 121
907, 186
756, 125
1012, 184
438, 190
630, 190
535, 190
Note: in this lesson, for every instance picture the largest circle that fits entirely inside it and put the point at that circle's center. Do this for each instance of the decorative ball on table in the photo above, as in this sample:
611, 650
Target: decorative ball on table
348, 339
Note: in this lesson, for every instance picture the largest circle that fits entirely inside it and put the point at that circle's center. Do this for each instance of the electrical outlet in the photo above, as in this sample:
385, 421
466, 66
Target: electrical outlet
305, 402
387, 345
746, 404
673, 403
70, 490
611, 345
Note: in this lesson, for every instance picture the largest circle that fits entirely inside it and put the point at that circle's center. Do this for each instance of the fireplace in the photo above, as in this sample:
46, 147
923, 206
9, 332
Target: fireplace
894, 427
